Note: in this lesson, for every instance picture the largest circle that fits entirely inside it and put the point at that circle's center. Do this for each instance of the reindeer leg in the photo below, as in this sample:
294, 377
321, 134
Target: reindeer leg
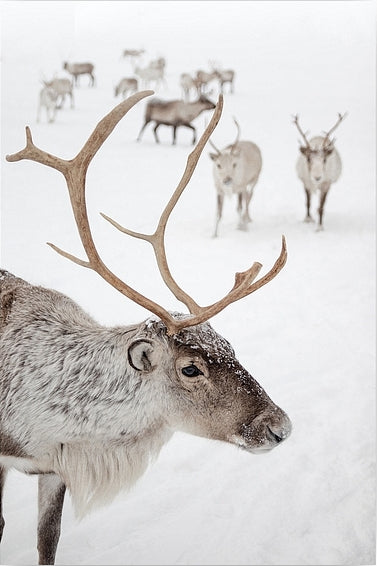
155, 132
174, 134
2, 481
142, 130
308, 217
324, 191
220, 202
248, 196
51, 492
194, 131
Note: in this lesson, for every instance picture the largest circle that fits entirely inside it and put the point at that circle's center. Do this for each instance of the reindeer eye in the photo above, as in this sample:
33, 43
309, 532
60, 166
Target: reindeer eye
191, 371
234, 165
218, 165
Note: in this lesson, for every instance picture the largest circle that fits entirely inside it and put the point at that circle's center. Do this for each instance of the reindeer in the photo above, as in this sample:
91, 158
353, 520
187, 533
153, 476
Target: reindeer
174, 113
63, 87
318, 166
203, 79
126, 86
133, 54
236, 170
225, 76
187, 84
86, 406
78, 69
152, 73
48, 100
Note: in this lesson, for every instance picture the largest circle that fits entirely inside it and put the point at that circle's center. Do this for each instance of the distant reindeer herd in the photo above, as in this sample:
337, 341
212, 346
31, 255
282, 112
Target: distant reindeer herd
237, 167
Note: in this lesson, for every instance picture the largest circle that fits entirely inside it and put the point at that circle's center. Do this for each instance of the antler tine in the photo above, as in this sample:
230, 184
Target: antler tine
327, 134
238, 133
214, 147
295, 121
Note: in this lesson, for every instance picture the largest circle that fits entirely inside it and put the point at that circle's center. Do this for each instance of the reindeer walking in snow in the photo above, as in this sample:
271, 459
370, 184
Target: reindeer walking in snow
236, 170
318, 166
85, 406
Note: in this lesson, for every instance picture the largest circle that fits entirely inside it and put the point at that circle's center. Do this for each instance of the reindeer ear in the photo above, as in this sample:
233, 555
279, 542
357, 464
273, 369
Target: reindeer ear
142, 355
213, 156
303, 149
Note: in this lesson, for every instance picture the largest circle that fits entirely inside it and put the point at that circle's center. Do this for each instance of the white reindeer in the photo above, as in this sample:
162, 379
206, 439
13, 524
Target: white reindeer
154, 73
203, 79
86, 407
226, 76
47, 101
63, 88
126, 87
236, 170
188, 84
318, 166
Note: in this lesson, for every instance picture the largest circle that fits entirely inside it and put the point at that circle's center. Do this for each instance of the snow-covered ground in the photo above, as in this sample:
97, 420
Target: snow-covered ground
308, 337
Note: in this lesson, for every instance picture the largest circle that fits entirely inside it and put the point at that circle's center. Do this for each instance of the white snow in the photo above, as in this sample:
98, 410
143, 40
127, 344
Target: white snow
308, 337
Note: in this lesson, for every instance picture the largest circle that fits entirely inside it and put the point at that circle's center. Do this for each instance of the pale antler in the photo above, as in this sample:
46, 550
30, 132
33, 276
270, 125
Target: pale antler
327, 142
295, 121
234, 144
74, 171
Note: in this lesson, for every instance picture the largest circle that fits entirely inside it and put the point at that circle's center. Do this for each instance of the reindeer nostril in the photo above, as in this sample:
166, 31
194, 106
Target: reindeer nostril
273, 436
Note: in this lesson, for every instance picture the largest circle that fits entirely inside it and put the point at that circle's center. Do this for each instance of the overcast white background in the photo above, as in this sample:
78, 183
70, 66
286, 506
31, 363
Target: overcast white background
308, 337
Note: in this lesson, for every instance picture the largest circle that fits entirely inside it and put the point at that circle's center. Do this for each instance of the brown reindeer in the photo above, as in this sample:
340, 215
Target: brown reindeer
86, 407
174, 113
78, 69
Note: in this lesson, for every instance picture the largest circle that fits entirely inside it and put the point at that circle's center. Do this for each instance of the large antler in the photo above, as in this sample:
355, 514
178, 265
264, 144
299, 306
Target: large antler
327, 142
295, 121
74, 171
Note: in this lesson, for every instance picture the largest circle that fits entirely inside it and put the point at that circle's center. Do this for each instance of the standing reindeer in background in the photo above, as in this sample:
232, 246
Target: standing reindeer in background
48, 101
86, 407
236, 170
188, 84
318, 166
78, 69
174, 113
126, 87
63, 87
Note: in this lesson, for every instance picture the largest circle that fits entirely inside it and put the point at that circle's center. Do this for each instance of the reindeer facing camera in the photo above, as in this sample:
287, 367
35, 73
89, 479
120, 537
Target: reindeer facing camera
318, 166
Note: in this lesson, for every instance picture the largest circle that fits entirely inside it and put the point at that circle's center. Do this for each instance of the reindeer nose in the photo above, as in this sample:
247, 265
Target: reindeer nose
227, 180
278, 431
277, 436
317, 178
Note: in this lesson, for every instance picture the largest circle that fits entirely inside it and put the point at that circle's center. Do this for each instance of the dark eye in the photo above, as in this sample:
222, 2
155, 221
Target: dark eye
234, 165
191, 371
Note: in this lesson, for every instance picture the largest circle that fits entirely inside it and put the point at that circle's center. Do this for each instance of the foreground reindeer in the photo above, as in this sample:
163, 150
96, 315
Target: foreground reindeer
174, 113
318, 166
236, 170
86, 407
78, 69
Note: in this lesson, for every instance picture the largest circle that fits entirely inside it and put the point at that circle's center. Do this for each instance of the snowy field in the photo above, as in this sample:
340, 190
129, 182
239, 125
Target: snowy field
308, 337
